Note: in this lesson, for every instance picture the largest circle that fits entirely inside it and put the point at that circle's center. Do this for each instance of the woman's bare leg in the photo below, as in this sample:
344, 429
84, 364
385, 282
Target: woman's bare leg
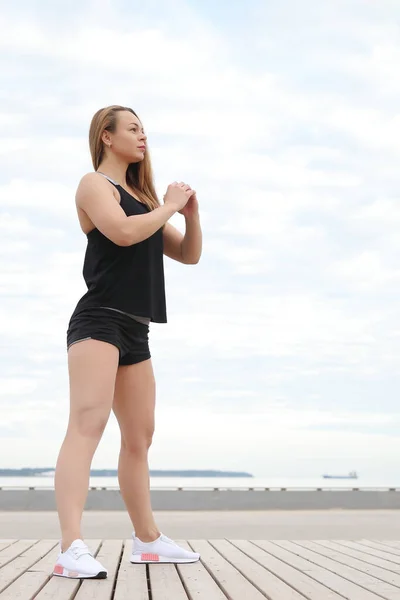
134, 406
92, 367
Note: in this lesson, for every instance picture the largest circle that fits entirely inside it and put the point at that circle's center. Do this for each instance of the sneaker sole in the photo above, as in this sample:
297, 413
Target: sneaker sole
60, 571
156, 558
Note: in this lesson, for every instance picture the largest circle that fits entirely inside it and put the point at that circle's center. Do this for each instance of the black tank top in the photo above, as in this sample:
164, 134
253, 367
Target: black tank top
127, 278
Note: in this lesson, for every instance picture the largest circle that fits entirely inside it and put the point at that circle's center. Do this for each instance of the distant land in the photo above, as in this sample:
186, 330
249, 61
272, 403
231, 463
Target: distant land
37, 472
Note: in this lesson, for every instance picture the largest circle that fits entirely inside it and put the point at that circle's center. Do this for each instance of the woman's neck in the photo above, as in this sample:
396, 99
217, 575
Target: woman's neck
115, 170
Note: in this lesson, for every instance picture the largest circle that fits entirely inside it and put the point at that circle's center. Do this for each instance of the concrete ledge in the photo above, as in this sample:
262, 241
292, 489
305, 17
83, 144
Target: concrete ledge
111, 499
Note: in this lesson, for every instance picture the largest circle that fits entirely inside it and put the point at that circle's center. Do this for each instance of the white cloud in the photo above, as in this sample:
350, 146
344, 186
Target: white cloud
285, 121
365, 272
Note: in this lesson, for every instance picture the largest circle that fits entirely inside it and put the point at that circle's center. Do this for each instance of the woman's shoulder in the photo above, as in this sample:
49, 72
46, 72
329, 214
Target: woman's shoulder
94, 177
93, 182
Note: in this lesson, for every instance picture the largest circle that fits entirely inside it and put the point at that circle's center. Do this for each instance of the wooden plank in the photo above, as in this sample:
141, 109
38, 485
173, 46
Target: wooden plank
131, 581
25, 588
19, 565
197, 580
10, 552
379, 546
390, 543
374, 556
229, 578
318, 568
5, 543
165, 583
301, 584
365, 564
354, 570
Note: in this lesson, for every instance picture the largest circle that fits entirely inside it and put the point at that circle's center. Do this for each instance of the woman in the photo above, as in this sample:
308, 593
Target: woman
109, 361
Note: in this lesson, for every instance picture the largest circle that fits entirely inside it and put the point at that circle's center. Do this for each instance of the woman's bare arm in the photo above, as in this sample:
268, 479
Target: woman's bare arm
95, 197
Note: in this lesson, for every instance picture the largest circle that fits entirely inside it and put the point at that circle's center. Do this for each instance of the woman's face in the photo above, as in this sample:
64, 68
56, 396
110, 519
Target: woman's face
129, 139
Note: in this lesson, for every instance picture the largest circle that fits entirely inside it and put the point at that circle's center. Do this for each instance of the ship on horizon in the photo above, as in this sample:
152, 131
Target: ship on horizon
351, 475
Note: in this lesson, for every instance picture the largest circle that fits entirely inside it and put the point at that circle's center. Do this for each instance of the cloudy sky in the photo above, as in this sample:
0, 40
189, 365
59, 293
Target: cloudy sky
281, 355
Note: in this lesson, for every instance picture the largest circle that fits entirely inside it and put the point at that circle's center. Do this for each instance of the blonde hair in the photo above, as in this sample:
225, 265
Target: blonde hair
139, 176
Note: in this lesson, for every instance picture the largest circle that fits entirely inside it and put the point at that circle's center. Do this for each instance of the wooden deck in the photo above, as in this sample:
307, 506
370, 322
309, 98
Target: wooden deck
234, 569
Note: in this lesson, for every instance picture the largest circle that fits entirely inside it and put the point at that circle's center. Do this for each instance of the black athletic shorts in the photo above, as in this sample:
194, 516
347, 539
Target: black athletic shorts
128, 335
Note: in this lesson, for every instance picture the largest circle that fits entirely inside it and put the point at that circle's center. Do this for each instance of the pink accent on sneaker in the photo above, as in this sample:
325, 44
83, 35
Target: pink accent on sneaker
149, 556
58, 569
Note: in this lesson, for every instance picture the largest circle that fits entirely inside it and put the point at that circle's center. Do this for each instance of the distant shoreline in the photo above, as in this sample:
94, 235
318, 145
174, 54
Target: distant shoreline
46, 472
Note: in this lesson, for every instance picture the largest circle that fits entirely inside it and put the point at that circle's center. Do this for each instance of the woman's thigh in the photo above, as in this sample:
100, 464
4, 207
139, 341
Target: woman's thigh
134, 403
92, 369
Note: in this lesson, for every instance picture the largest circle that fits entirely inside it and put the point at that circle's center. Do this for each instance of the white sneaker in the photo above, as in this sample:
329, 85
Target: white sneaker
78, 563
161, 550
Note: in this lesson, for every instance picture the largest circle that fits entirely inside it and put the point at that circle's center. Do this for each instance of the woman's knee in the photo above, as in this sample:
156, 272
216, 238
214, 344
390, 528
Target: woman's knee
89, 422
138, 444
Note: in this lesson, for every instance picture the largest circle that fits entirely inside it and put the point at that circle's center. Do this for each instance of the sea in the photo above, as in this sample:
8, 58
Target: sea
218, 482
